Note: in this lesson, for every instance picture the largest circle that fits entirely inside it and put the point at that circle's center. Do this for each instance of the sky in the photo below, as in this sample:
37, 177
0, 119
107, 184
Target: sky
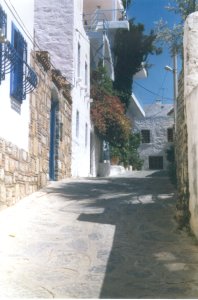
159, 83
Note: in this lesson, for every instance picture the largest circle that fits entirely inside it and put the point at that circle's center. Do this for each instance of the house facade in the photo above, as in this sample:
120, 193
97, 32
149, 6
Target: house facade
156, 130
59, 29
29, 84
101, 19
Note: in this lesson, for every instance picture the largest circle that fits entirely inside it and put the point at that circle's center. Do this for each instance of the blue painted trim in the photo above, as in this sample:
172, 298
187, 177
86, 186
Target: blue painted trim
52, 140
17, 75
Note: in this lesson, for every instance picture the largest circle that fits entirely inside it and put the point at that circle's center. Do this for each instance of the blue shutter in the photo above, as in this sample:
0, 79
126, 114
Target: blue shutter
3, 28
17, 90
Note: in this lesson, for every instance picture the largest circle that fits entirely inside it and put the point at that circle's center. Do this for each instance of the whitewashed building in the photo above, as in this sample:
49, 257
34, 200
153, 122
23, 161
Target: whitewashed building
102, 18
59, 29
29, 88
155, 124
17, 78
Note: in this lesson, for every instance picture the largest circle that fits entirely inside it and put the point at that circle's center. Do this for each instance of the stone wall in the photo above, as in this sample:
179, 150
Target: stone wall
16, 176
191, 106
22, 172
181, 151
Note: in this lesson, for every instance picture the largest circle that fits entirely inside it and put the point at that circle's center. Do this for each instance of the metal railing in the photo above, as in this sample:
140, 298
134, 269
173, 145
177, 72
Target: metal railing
100, 18
9, 59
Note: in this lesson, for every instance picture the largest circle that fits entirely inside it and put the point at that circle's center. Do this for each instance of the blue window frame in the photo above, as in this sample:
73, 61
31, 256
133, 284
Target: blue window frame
17, 90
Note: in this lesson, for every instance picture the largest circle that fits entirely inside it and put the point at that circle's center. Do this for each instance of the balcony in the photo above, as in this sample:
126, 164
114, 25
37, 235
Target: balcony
9, 59
108, 19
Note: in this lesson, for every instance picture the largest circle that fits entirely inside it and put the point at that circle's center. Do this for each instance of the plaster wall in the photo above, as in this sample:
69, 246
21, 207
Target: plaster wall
14, 118
190, 98
158, 138
59, 30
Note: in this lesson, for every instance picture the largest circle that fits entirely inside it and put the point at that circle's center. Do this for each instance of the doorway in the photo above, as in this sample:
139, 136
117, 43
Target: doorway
52, 159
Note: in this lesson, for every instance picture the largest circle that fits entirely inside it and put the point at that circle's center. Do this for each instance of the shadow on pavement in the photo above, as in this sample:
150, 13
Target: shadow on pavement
148, 258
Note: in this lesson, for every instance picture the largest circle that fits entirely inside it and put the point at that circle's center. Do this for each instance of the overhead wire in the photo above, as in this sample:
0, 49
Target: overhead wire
151, 92
26, 32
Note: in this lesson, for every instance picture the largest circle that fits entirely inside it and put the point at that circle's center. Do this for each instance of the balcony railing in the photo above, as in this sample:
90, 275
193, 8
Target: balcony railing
9, 58
100, 19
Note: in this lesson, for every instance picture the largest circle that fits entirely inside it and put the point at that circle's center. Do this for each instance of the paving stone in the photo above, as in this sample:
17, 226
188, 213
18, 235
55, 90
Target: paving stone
98, 238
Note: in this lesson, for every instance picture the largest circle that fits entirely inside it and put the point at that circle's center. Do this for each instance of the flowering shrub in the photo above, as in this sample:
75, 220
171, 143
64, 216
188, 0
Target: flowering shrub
109, 118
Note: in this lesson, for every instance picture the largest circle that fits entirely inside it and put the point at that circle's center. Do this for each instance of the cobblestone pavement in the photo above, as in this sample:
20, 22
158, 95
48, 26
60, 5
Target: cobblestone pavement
98, 238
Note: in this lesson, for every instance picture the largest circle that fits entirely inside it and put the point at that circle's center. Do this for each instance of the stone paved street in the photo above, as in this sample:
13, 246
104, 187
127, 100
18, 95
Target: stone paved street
98, 238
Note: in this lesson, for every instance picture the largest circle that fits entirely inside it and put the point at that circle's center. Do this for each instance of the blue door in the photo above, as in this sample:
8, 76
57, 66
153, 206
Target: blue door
52, 140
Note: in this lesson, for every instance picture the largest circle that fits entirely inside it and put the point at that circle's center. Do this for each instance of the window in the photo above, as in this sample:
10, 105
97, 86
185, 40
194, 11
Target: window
145, 136
155, 162
86, 73
86, 134
77, 123
17, 90
170, 135
78, 68
3, 26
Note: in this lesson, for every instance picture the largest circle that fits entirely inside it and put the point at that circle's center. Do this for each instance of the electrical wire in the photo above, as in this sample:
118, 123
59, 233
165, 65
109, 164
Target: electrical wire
151, 92
26, 32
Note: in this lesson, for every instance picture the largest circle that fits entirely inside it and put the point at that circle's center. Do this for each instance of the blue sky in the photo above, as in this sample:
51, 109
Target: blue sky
159, 81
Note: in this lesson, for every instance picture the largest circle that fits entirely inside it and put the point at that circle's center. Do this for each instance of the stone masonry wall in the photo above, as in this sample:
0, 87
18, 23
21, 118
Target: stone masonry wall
191, 106
158, 138
21, 172
181, 151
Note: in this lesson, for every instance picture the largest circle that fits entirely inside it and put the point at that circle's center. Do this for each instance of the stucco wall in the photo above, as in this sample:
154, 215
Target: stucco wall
16, 131
190, 98
158, 138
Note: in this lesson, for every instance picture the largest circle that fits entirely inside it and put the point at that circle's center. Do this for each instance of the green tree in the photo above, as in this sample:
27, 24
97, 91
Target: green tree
131, 48
183, 7
173, 37
126, 3
128, 153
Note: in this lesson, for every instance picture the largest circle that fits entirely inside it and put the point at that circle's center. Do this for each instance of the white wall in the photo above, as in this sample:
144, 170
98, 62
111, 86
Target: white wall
158, 138
81, 99
59, 29
14, 127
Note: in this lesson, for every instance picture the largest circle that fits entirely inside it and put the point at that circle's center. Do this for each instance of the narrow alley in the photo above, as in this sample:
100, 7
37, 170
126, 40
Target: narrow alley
98, 238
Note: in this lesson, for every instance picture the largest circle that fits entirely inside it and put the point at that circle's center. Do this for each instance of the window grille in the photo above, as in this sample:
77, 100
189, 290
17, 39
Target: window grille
13, 59
3, 35
145, 136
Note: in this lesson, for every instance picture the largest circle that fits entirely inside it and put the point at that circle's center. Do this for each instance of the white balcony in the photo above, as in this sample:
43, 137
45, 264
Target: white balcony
90, 6
104, 14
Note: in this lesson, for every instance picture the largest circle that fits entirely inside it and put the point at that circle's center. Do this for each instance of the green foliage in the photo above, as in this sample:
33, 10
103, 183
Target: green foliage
126, 3
173, 37
130, 50
183, 7
101, 80
128, 152
107, 111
